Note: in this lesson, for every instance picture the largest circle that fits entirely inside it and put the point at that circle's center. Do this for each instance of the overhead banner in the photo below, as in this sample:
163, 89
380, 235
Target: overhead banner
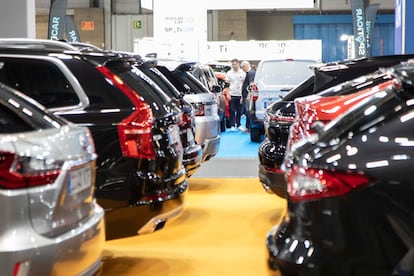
72, 33
258, 4
358, 21
264, 49
57, 15
363, 19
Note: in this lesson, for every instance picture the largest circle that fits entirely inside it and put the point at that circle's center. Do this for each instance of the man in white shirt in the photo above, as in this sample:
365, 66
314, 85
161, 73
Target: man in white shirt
235, 78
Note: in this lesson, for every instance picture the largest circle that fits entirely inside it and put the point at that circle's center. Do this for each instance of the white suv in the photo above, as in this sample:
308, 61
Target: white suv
274, 79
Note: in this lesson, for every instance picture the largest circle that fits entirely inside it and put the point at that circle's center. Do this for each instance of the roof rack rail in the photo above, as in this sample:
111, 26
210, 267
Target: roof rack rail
36, 44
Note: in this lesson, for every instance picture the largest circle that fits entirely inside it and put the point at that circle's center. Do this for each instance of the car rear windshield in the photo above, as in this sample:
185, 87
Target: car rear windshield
184, 81
159, 102
283, 72
100, 93
161, 81
303, 89
19, 113
39, 79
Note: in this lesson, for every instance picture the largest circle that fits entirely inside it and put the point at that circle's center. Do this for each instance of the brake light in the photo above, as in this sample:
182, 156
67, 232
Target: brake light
21, 269
199, 109
254, 92
17, 172
307, 184
135, 132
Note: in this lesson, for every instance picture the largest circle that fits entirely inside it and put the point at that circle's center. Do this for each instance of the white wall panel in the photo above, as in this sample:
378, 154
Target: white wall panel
45, 4
124, 35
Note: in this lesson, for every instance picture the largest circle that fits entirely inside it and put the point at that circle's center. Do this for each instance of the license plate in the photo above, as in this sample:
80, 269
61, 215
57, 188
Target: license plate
267, 103
173, 134
208, 110
79, 179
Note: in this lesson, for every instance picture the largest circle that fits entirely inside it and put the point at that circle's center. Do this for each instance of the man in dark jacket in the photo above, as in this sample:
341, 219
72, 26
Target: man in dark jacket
249, 79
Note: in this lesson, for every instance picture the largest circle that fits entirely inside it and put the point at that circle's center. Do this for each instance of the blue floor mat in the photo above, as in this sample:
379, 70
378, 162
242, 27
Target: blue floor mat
237, 144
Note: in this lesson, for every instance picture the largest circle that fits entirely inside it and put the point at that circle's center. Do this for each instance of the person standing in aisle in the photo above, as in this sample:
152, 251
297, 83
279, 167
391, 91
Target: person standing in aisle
235, 78
248, 80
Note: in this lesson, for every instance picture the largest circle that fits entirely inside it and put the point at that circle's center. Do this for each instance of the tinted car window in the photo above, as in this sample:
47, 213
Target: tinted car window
10, 122
19, 113
143, 85
101, 94
184, 81
283, 72
39, 79
161, 81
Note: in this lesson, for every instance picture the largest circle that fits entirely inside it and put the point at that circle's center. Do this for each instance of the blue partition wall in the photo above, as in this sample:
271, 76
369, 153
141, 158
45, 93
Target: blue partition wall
330, 28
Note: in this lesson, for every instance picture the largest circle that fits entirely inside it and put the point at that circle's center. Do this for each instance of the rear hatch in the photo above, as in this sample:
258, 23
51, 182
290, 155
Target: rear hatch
167, 116
187, 124
55, 163
203, 101
61, 206
275, 78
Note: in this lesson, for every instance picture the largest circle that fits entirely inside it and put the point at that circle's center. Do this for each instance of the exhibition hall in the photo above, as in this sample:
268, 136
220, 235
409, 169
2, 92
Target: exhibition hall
207, 137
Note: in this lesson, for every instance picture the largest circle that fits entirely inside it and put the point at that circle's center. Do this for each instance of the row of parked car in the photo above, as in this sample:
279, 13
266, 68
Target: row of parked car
95, 145
338, 147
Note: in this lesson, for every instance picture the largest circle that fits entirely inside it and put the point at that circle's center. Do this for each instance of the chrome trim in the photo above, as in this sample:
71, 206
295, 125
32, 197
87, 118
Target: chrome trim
83, 99
15, 42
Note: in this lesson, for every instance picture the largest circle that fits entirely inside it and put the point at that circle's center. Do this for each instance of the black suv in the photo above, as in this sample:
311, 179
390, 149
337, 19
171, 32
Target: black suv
207, 120
280, 115
140, 178
192, 151
351, 190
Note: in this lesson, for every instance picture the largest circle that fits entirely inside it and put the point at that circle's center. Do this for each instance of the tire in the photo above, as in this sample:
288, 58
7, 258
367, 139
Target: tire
255, 134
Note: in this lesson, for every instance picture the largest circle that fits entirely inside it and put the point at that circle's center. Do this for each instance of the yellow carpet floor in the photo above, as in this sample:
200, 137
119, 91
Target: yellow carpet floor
221, 232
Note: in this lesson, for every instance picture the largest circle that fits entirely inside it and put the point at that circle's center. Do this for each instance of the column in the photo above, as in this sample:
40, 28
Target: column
17, 19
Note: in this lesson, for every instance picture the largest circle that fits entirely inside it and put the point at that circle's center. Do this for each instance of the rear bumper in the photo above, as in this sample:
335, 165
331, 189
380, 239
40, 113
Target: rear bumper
271, 155
210, 148
146, 218
192, 159
273, 181
353, 234
206, 127
77, 252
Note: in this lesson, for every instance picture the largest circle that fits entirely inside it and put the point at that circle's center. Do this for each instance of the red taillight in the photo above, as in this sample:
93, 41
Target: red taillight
254, 92
135, 132
308, 184
199, 109
21, 269
17, 172
185, 118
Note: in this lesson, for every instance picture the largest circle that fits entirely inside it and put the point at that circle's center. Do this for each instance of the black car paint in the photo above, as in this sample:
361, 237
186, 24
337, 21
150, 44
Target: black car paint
129, 189
192, 151
272, 150
370, 230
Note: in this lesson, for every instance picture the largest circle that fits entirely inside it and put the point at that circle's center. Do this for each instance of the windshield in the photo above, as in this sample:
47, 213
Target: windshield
283, 72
